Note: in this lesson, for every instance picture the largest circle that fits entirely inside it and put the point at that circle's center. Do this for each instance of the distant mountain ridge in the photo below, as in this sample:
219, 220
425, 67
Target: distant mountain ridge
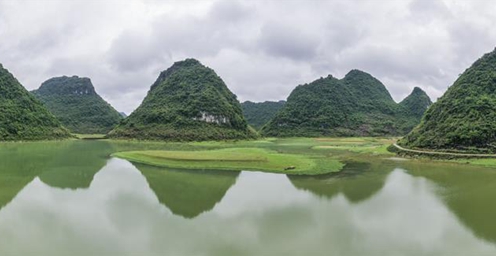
22, 116
257, 114
188, 101
74, 101
357, 105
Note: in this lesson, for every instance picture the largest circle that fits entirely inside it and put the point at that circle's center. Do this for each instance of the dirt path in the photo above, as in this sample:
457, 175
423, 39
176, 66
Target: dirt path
444, 153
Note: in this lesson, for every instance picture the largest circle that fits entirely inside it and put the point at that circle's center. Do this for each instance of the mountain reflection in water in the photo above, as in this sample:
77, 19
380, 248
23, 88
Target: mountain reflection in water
381, 208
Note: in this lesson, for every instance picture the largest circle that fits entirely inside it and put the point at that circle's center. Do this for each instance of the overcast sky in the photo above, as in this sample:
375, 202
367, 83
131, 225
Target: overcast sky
261, 49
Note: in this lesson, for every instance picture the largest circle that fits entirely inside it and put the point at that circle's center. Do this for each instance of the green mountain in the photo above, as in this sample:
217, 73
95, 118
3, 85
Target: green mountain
74, 101
357, 105
464, 118
22, 116
257, 114
412, 108
416, 103
187, 102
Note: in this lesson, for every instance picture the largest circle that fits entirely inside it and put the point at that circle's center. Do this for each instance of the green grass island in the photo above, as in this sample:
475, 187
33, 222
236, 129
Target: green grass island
305, 156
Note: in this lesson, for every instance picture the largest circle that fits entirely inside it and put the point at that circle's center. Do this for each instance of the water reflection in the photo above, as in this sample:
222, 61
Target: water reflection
469, 192
371, 209
89, 221
357, 182
75, 165
188, 193
64, 164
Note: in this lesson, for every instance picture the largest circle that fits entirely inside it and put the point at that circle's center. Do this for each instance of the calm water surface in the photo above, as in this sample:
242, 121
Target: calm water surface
70, 198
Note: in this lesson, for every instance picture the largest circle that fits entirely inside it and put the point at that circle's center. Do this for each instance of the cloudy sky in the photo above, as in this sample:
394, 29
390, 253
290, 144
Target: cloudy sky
262, 49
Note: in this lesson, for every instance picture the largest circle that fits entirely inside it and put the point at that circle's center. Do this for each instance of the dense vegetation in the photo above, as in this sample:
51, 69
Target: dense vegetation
464, 118
187, 102
416, 103
257, 114
74, 101
357, 105
22, 116
411, 109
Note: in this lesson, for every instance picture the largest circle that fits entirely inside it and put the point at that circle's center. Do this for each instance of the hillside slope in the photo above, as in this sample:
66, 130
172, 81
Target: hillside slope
357, 105
464, 118
187, 102
22, 116
257, 114
74, 101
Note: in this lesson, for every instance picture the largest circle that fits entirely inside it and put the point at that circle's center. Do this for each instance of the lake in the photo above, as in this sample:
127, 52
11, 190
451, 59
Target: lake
71, 198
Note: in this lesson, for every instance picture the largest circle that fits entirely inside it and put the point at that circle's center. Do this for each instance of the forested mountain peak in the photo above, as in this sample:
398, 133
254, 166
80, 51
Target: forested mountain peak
65, 85
367, 86
464, 118
188, 101
417, 90
74, 101
178, 66
358, 73
417, 102
357, 105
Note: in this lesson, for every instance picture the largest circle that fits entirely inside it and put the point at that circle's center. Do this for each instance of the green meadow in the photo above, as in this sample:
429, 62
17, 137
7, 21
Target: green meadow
306, 156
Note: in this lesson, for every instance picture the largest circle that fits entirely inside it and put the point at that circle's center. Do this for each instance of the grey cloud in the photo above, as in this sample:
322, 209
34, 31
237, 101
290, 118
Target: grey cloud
286, 41
425, 11
133, 51
242, 73
341, 34
181, 37
230, 11
42, 41
470, 40
262, 49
